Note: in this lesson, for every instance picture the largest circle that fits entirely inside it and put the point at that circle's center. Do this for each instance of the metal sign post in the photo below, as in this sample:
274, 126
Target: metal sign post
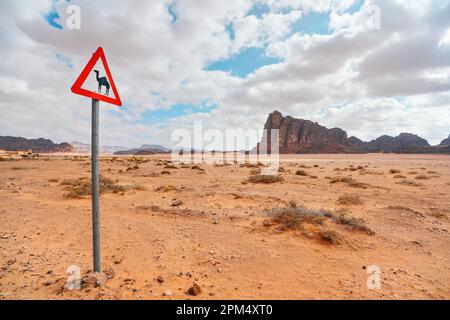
96, 96
95, 185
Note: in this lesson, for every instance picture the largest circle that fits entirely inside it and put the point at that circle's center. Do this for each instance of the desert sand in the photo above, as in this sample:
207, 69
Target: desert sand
208, 225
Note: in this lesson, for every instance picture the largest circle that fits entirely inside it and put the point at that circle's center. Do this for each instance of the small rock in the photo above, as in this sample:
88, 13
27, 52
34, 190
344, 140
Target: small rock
109, 273
195, 290
95, 279
160, 279
167, 293
48, 283
177, 203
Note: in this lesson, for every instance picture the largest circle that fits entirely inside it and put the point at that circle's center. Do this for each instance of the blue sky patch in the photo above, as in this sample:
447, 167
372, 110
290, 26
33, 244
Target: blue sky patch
172, 13
244, 63
356, 6
258, 10
51, 17
230, 31
313, 23
175, 111
62, 58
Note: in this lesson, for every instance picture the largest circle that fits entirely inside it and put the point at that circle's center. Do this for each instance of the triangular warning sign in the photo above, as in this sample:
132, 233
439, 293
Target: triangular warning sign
104, 83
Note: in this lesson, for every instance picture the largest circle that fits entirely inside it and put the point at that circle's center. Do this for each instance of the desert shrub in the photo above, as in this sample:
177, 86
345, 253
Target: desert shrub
412, 172
353, 223
350, 199
170, 166
78, 188
292, 217
399, 176
422, 177
329, 236
168, 188
350, 182
409, 183
53, 180
166, 172
301, 173
197, 168
18, 168
259, 178
394, 171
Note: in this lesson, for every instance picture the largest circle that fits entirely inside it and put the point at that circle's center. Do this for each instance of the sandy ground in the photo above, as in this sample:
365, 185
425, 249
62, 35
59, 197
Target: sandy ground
220, 236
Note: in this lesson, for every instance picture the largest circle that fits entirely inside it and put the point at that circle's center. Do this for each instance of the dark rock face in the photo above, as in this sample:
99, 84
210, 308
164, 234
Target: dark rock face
404, 142
304, 136
445, 142
37, 145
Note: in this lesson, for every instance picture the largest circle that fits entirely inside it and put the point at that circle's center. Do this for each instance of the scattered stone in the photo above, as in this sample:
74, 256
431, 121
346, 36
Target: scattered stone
160, 279
93, 280
109, 273
167, 293
177, 203
195, 290
48, 283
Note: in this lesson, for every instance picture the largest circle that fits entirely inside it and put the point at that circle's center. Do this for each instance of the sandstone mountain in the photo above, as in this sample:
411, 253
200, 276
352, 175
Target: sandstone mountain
304, 136
446, 142
36, 145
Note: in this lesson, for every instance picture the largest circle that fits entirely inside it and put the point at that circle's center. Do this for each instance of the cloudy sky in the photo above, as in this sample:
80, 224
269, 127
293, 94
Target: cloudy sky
227, 63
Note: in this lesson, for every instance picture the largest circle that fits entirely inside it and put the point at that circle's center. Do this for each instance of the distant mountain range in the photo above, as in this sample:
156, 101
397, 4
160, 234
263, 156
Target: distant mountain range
298, 136
86, 148
36, 145
145, 149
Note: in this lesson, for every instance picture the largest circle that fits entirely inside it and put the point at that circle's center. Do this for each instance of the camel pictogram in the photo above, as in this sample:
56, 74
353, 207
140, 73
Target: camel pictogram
103, 81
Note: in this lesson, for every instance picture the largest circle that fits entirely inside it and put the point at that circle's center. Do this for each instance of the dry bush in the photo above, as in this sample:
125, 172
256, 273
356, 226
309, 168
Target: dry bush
422, 177
81, 187
329, 236
409, 183
168, 188
304, 166
432, 172
301, 173
350, 182
197, 168
18, 168
259, 178
291, 218
53, 180
394, 171
352, 223
166, 172
170, 166
350, 199
412, 172
399, 176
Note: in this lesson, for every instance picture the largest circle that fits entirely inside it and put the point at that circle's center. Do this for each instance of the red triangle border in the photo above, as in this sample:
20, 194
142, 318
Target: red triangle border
77, 86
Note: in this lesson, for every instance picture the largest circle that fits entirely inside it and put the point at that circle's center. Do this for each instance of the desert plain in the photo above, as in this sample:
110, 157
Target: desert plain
312, 233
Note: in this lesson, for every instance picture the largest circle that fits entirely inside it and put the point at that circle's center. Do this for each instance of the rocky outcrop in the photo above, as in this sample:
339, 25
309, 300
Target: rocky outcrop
445, 142
304, 136
36, 145
402, 143
144, 150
